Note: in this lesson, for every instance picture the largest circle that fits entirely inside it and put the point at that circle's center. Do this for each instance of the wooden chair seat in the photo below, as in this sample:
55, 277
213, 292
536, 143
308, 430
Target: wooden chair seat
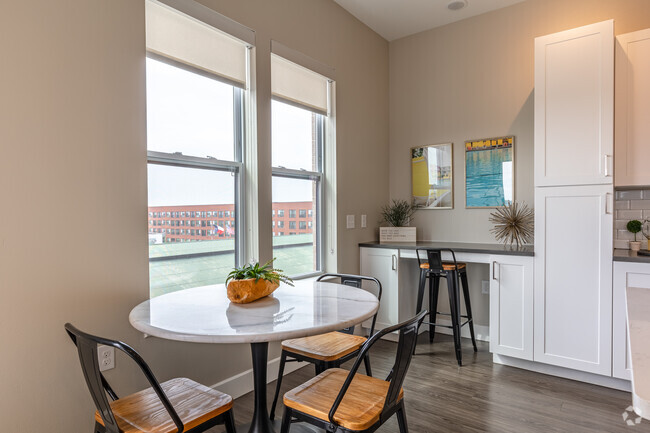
447, 266
325, 347
360, 408
144, 412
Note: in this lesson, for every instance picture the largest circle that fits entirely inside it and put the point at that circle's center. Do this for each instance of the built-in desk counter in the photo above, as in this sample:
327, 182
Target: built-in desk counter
458, 247
510, 330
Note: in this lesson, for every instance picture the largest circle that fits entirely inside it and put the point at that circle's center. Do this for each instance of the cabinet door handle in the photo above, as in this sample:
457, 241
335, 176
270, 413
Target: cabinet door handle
609, 203
394, 262
494, 270
606, 162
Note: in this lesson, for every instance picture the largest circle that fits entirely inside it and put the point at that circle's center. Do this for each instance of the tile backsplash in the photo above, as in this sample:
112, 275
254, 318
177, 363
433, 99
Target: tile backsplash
630, 205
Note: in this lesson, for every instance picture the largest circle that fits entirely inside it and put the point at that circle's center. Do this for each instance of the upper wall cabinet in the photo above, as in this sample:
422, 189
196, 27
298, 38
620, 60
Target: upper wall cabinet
633, 108
574, 106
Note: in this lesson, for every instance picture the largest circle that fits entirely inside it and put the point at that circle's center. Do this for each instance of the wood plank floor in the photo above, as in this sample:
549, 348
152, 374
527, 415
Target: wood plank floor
482, 396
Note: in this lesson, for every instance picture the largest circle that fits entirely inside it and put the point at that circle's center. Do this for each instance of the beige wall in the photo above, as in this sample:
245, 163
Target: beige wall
73, 154
474, 79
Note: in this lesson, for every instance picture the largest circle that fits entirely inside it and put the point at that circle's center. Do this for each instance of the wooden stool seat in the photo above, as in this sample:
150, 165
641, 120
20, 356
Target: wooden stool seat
325, 347
447, 266
360, 408
144, 412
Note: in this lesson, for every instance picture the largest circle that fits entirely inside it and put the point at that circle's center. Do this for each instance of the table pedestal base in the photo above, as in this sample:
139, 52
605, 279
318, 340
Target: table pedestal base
260, 422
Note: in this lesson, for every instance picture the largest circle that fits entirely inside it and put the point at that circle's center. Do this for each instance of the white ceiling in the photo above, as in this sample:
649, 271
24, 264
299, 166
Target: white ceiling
394, 19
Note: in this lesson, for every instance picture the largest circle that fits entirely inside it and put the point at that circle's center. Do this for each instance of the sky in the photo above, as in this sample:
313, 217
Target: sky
192, 114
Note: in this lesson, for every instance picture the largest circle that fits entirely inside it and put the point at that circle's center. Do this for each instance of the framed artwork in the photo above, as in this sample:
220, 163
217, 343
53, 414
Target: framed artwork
489, 172
432, 177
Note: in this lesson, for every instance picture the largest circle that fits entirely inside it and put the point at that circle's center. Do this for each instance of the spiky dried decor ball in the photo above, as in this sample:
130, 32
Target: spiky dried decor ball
513, 224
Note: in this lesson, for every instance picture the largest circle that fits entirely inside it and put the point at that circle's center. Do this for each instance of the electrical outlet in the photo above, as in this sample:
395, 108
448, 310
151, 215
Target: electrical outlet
363, 221
485, 287
350, 221
106, 355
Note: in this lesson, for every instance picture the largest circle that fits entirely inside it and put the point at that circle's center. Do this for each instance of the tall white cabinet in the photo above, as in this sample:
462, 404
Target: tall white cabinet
574, 128
573, 277
574, 106
633, 108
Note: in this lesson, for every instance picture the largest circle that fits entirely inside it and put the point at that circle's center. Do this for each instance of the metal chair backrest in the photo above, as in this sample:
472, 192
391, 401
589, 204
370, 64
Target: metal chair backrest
356, 281
434, 258
97, 384
408, 333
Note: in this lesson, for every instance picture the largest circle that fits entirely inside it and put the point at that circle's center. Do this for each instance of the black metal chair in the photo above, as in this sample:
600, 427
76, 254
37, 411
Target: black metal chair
327, 350
200, 407
433, 269
340, 401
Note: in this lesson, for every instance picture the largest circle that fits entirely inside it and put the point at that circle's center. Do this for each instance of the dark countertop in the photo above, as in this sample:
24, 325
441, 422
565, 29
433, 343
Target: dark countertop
458, 247
630, 256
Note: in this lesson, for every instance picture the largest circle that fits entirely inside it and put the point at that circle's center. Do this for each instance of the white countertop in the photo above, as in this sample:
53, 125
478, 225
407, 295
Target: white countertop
638, 319
205, 315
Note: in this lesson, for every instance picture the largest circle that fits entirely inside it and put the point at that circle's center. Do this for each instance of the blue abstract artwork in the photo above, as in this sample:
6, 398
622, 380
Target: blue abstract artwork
489, 172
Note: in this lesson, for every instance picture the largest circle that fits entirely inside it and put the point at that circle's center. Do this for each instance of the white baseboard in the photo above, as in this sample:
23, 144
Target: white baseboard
567, 373
242, 383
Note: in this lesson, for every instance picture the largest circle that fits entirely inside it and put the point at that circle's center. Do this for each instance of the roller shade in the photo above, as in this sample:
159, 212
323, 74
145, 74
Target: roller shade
297, 85
186, 40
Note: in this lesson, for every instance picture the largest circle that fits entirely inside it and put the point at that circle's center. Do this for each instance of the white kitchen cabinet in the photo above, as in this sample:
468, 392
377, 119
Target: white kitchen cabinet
383, 263
632, 151
574, 106
573, 277
626, 275
511, 306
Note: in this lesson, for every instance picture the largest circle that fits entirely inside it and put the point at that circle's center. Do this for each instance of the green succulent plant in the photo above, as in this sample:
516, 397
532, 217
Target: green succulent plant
398, 213
264, 272
634, 226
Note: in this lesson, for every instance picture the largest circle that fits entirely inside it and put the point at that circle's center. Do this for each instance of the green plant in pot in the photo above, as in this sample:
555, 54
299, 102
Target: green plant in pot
634, 226
397, 214
253, 281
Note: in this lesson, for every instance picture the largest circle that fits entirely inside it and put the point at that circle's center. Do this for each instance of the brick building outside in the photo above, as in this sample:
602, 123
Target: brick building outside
212, 222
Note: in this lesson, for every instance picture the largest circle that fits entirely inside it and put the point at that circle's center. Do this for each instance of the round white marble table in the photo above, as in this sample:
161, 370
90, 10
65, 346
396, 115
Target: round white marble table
205, 315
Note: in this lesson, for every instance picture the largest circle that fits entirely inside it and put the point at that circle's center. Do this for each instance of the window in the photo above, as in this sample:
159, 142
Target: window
297, 143
302, 213
302, 140
281, 224
303, 225
196, 81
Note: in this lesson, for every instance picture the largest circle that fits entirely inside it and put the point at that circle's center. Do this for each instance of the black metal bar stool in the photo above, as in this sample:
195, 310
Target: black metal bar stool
433, 269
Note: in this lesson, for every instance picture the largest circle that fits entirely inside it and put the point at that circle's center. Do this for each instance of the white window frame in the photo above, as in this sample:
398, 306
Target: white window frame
243, 110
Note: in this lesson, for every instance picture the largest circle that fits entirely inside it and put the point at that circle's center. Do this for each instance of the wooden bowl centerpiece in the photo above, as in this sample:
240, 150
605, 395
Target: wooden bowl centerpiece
251, 282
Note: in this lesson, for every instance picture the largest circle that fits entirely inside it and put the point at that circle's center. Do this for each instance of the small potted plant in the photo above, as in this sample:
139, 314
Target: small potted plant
397, 214
251, 282
634, 226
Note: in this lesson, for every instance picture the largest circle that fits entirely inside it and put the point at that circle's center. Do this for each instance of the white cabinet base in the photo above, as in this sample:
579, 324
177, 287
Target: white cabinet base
626, 275
567, 373
511, 306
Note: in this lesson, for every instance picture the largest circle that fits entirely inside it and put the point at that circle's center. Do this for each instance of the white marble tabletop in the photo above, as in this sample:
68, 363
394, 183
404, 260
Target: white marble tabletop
638, 319
205, 315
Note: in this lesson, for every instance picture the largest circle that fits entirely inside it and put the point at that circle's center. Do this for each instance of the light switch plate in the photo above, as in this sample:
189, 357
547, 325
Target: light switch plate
485, 287
363, 221
350, 221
